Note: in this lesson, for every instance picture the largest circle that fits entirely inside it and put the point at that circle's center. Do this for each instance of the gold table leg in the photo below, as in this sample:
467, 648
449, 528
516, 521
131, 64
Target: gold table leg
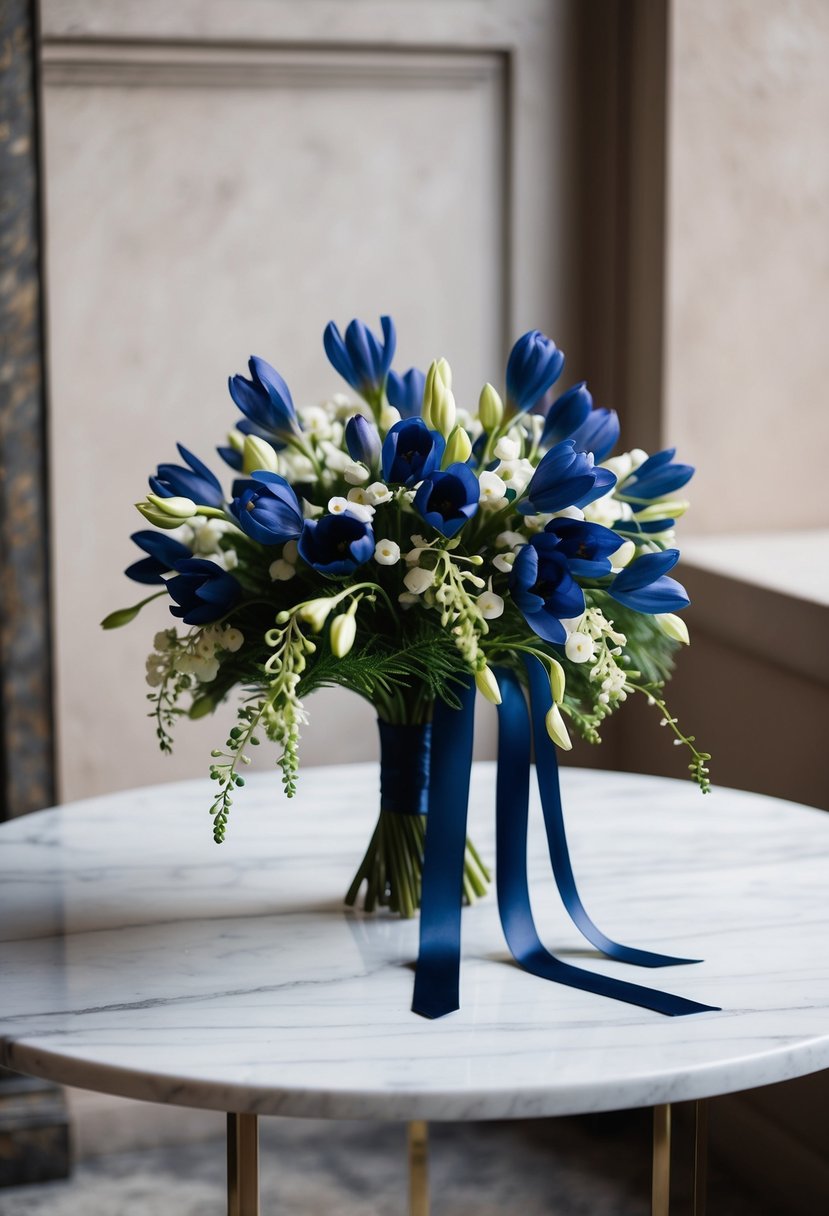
418, 1169
242, 1165
661, 1182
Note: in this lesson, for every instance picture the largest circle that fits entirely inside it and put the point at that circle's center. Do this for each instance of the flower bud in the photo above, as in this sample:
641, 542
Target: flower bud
438, 383
490, 408
179, 508
487, 685
556, 728
663, 510
343, 633
444, 411
458, 448
579, 648
258, 454
557, 681
623, 555
159, 518
315, 612
673, 627
417, 580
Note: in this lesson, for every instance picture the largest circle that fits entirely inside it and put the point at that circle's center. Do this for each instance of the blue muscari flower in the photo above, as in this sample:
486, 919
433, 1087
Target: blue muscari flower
336, 544
534, 365
360, 358
599, 433
163, 552
363, 441
447, 500
657, 476
203, 592
586, 546
644, 584
544, 589
565, 478
567, 414
411, 452
266, 508
266, 402
196, 482
405, 392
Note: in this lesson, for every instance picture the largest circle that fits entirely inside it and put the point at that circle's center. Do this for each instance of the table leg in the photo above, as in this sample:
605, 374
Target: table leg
242, 1165
700, 1155
661, 1181
418, 1169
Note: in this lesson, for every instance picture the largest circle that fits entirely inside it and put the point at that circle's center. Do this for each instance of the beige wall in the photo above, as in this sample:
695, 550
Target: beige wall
748, 274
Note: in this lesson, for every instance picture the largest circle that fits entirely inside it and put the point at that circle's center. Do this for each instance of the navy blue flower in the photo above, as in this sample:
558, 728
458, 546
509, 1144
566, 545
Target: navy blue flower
644, 584
565, 478
657, 476
587, 547
534, 365
203, 592
405, 392
163, 551
567, 414
336, 544
599, 433
447, 500
266, 402
361, 358
232, 458
543, 588
363, 441
411, 452
266, 508
196, 482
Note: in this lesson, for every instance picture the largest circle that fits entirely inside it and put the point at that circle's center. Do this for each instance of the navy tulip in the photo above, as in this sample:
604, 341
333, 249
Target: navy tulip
266, 508
644, 585
232, 458
447, 500
599, 433
658, 476
405, 392
565, 478
196, 481
411, 452
534, 365
266, 402
567, 414
336, 544
363, 441
587, 547
543, 588
203, 592
361, 358
163, 552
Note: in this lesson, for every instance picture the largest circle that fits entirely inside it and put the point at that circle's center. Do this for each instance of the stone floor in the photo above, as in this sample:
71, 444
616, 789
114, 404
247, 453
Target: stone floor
596, 1166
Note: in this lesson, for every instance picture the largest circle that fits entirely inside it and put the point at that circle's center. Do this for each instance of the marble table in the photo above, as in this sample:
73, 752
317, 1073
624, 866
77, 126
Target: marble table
137, 958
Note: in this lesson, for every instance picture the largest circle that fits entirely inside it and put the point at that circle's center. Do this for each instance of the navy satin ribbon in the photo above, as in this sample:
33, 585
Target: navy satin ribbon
436, 990
404, 767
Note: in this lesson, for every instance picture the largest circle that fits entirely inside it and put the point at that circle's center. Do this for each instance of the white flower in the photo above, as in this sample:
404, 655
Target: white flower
206, 646
205, 670
154, 678
161, 641
571, 623
295, 466
504, 562
232, 639
621, 465
537, 523
622, 556
606, 511
418, 580
281, 571
637, 457
361, 511
407, 599
509, 540
315, 420
336, 460
355, 473
388, 417
516, 474
507, 449
231, 559
206, 536
290, 551
492, 489
378, 493
490, 605
338, 505
579, 648
360, 496
387, 553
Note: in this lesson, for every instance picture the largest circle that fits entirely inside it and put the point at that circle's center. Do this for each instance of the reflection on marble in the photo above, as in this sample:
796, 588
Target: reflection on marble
138, 958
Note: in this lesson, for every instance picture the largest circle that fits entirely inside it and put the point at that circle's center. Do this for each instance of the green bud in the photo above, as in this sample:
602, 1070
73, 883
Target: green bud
458, 448
200, 707
487, 685
556, 728
490, 408
663, 510
122, 616
343, 633
258, 454
236, 440
443, 409
673, 627
178, 508
557, 681
157, 518
315, 612
438, 383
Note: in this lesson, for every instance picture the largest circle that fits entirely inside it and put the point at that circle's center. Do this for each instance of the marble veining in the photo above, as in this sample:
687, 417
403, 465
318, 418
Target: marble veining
138, 958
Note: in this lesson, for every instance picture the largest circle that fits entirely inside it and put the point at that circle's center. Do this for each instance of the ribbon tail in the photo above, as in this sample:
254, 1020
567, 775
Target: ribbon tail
437, 975
546, 765
512, 806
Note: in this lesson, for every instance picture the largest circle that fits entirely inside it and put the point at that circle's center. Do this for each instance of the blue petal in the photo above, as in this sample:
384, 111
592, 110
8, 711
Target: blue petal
567, 414
663, 595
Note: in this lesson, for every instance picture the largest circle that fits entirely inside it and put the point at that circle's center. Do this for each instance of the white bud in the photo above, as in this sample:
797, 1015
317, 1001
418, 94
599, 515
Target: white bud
507, 449
355, 473
315, 612
622, 556
556, 728
281, 571
387, 553
377, 494
579, 648
338, 505
504, 562
490, 408
418, 580
290, 551
490, 605
343, 633
232, 639
673, 627
492, 488
487, 685
258, 454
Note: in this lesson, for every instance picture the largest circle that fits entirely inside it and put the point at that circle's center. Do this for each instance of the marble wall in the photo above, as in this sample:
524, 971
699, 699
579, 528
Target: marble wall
748, 260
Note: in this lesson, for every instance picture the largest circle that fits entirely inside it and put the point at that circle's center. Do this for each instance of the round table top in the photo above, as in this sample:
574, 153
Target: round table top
138, 958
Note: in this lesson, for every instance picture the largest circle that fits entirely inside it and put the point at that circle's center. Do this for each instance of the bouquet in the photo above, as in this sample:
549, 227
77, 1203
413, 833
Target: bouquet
400, 546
